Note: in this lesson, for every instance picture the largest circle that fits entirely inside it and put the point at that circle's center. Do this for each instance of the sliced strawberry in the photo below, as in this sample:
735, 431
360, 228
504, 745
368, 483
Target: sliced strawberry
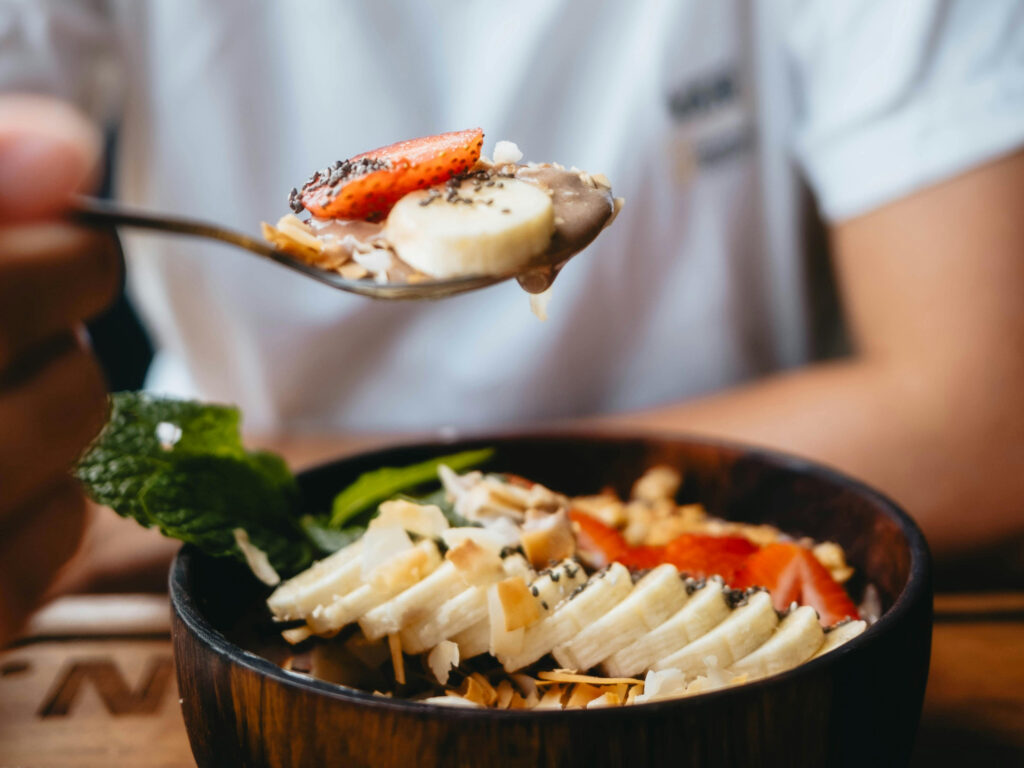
792, 573
368, 185
598, 544
702, 555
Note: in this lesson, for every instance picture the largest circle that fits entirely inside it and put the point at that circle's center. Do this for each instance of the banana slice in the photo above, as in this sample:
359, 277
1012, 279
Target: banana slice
706, 608
747, 628
473, 229
602, 592
655, 597
459, 613
547, 590
474, 641
797, 639
401, 571
839, 635
320, 584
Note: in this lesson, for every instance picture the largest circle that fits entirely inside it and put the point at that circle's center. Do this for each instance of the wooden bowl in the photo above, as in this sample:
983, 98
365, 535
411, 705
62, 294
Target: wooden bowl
857, 706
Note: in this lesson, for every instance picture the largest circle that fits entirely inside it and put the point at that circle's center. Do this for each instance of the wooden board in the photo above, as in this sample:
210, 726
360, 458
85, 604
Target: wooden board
111, 701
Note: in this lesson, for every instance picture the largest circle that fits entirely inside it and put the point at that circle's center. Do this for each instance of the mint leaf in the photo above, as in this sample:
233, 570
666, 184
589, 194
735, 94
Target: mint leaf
180, 466
371, 488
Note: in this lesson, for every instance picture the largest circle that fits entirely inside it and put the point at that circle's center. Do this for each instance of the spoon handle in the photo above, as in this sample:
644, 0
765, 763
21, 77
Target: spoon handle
93, 211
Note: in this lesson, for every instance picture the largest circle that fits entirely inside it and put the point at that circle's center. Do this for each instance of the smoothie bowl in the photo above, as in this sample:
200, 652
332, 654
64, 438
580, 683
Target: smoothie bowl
271, 683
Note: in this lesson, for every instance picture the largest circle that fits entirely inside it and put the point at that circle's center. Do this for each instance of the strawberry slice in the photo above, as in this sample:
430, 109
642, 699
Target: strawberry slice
368, 185
597, 543
703, 555
792, 573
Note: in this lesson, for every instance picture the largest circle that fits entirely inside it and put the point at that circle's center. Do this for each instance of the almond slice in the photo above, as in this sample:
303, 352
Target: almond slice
566, 676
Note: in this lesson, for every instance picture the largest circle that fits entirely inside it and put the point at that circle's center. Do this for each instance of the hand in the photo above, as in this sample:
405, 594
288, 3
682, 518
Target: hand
52, 393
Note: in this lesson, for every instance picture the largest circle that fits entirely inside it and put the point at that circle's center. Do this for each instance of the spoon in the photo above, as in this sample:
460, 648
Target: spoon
95, 212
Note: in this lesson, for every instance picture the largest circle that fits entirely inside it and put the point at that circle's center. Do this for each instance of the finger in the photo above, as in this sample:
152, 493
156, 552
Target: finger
50, 409
52, 277
35, 541
48, 151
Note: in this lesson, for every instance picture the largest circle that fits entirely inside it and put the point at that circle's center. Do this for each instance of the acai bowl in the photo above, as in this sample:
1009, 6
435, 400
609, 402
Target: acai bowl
856, 705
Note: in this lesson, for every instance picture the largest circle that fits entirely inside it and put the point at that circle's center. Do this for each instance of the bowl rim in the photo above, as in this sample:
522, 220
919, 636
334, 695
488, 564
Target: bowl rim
917, 587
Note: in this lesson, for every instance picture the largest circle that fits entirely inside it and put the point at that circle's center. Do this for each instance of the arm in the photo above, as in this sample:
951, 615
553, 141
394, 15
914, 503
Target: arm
930, 409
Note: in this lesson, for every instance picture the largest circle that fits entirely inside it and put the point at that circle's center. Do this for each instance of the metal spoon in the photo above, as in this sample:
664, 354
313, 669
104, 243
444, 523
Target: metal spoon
93, 211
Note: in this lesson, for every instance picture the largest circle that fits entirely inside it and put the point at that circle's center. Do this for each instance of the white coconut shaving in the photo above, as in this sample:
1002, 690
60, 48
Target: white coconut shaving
442, 659
507, 152
256, 559
539, 304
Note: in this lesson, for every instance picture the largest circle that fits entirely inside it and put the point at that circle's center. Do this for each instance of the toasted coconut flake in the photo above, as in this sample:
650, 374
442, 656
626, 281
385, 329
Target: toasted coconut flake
832, 557
442, 659
606, 699
397, 660
353, 271
552, 698
423, 519
505, 694
476, 564
634, 691
297, 634
568, 676
518, 605
661, 482
518, 702
582, 694
477, 689
606, 507
547, 537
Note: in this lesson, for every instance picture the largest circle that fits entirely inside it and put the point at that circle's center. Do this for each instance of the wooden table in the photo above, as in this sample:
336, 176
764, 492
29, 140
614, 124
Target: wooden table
92, 686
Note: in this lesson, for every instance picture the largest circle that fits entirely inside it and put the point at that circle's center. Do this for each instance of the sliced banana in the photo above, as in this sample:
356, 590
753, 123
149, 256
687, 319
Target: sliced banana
797, 639
475, 640
655, 597
840, 634
476, 230
745, 629
403, 570
706, 608
460, 612
549, 589
600, 594
320, 584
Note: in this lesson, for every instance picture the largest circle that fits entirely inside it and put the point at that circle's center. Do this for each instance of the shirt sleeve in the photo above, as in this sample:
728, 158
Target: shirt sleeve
62, 48
894, 95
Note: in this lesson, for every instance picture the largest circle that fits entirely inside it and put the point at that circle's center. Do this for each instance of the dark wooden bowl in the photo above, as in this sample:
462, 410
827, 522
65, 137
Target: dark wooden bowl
858, 706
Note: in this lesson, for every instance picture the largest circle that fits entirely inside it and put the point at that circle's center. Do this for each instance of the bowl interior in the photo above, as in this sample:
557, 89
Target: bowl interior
801, 498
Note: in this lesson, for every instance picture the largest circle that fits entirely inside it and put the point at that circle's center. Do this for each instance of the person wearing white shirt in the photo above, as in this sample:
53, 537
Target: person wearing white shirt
695, 311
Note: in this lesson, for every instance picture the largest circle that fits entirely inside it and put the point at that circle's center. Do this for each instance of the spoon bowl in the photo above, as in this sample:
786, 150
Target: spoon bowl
95, 212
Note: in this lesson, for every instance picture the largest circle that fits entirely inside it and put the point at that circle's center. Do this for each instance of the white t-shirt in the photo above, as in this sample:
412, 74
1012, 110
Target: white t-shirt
700, 112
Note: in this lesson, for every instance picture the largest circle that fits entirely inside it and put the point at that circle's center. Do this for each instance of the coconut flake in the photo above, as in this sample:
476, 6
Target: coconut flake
662, 684
442, 659
424, 519
256, 559
539, 304
506, 152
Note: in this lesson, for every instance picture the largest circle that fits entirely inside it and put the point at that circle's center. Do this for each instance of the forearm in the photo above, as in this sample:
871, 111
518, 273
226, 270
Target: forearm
932, 440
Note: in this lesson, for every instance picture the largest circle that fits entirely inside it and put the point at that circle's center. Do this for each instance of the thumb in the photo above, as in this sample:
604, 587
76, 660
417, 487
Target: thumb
48, 151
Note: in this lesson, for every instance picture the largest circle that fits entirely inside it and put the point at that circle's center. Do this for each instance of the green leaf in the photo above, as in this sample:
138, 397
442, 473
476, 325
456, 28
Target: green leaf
180, 466
371, 488
329, 540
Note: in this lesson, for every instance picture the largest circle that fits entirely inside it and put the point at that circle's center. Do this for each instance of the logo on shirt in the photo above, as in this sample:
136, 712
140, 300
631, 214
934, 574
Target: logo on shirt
710, 121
